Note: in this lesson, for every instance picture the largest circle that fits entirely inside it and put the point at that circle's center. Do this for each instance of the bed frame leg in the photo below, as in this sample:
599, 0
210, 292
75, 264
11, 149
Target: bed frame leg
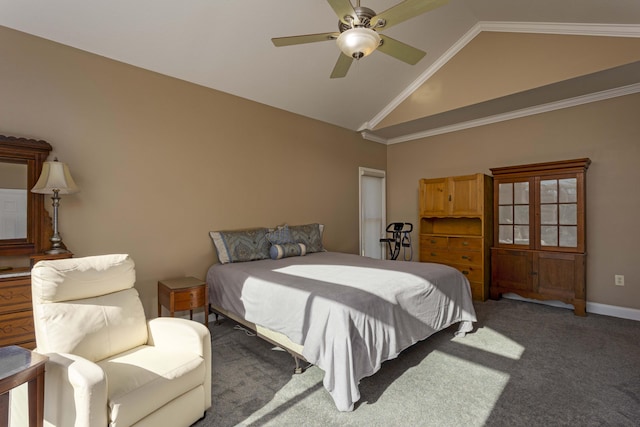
298, 369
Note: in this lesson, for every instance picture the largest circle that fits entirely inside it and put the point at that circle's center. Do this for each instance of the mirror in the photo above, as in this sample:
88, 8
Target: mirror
13, 200
24, 223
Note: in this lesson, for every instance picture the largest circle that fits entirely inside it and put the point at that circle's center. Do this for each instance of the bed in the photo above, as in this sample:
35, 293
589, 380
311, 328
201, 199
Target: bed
342, 312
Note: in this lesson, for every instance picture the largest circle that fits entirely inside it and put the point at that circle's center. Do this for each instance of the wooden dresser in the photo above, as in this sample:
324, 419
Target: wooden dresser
456, 226
21, 161
16, 313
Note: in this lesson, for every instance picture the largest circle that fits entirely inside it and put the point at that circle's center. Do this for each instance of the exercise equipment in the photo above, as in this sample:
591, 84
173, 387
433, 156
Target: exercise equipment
400, 238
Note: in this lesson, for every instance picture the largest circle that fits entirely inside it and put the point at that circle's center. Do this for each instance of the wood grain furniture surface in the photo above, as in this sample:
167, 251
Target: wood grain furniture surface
456, 226
539, 247
181, 294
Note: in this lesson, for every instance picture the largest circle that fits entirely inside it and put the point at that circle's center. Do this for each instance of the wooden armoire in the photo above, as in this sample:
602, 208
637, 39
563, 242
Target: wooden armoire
539, 246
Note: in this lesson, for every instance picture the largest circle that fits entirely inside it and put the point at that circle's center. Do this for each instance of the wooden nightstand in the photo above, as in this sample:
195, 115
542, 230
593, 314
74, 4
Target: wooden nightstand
185, 293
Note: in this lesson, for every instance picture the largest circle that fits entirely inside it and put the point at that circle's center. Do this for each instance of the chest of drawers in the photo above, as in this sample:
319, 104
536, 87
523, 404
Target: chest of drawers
456, 226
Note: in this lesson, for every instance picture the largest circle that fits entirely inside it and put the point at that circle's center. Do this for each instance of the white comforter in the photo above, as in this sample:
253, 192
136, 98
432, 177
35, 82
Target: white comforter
350, 313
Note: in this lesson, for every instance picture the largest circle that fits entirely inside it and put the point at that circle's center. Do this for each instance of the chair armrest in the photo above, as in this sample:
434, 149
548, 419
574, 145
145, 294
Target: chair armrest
75, 390
184, 335
179, 334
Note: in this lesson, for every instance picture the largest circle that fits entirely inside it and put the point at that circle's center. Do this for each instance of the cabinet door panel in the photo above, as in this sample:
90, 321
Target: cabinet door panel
558, 274
433, 196
465, 195
512, 269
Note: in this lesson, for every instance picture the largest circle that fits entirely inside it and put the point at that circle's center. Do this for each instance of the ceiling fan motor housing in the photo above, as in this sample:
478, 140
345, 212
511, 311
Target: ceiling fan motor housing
364, 15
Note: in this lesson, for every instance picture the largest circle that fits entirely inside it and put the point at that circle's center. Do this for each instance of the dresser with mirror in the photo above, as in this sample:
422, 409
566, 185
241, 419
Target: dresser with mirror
25, 232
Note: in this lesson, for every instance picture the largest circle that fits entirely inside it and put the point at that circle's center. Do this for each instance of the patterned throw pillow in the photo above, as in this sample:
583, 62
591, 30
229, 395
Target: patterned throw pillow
286, 250
241, 245
280, 235
309, 234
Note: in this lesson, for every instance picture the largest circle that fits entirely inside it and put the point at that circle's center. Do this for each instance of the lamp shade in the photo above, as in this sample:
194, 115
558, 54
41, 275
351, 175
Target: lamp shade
358, 42
55, 176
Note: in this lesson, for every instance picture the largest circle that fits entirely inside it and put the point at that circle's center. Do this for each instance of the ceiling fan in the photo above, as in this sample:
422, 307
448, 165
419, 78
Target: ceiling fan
358, 34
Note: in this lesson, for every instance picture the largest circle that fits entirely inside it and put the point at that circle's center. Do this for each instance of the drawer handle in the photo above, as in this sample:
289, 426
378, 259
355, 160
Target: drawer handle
434, 254
466, 257
465, 243
465, 272
433, 241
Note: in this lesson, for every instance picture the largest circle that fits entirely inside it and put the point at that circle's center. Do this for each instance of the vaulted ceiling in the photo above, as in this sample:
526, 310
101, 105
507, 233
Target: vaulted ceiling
486, 59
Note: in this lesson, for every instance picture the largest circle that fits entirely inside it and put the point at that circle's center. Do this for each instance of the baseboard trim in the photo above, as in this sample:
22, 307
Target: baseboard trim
613, 310
592, 307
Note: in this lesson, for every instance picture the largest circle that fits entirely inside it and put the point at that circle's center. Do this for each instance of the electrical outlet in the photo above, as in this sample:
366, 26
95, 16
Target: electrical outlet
619, 279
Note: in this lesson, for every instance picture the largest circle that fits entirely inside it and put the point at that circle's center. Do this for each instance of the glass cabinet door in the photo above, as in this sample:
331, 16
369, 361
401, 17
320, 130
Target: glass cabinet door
513, 213
558, 213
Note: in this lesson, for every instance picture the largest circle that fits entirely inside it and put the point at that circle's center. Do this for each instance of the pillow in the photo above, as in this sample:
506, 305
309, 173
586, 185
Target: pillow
241, 245
309, 234
286, 250
280, 235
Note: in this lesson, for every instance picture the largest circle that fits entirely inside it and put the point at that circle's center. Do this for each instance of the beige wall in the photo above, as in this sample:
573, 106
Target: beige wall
496, 64
608, 132
161, 162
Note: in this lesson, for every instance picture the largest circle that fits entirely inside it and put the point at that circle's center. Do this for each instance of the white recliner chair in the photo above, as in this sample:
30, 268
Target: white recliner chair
108, 365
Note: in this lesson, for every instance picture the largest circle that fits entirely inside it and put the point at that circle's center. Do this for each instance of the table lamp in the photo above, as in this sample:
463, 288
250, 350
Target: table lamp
55, 179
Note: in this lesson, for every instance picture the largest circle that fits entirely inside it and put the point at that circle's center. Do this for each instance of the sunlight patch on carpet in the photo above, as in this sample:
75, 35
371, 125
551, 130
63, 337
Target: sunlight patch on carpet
487, 339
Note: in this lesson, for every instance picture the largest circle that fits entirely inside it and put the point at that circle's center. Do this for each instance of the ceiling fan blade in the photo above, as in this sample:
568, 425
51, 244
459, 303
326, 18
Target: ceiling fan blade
342, 66
307, 38
406, 10
342, 8
401, 51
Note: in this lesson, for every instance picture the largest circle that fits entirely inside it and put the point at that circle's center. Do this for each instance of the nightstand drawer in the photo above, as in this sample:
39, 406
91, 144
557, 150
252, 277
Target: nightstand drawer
189, 299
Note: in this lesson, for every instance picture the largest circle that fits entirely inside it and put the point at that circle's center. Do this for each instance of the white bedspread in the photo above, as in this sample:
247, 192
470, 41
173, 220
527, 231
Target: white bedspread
350, 313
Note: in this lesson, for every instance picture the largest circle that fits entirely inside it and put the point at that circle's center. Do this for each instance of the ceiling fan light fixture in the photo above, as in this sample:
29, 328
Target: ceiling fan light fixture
358, 42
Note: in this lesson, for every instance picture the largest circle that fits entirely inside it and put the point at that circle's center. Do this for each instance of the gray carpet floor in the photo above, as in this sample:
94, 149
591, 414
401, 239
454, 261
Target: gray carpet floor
525, 364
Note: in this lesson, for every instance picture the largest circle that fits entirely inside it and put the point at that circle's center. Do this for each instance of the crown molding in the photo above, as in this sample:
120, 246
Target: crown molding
369, 136
544, 108
605, 30
608, 30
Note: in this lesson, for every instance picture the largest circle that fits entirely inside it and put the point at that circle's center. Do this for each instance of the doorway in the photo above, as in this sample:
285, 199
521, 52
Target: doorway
373, 212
